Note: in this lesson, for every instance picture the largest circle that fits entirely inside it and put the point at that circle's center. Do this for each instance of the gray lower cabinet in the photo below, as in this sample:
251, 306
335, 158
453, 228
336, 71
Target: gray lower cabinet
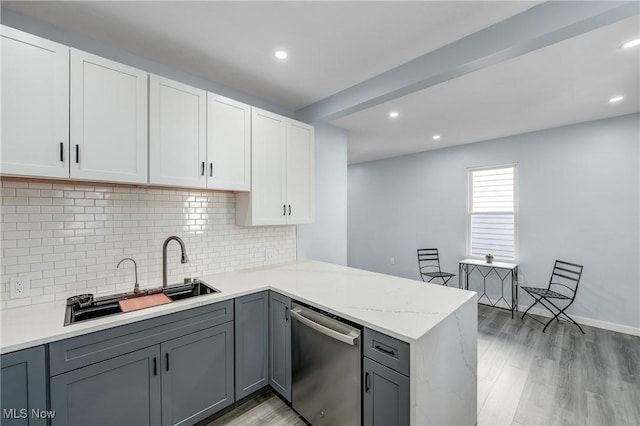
386, 383
124, 390
386, 396
280, 344
170, 370
23, 387
252, 343
197, 375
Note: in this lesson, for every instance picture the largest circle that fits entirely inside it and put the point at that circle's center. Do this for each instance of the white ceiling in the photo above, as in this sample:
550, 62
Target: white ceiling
331, 45
568, 82
335, 45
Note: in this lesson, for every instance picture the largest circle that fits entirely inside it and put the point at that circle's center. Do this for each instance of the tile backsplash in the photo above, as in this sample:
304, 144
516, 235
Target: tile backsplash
68, 237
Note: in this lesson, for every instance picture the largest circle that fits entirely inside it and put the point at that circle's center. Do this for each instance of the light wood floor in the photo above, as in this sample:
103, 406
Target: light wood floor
526, 377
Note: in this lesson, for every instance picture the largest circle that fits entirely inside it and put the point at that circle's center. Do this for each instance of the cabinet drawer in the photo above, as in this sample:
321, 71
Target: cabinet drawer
81, 351
387, 351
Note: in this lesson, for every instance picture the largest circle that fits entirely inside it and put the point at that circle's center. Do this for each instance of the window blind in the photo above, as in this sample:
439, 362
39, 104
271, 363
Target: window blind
492, 215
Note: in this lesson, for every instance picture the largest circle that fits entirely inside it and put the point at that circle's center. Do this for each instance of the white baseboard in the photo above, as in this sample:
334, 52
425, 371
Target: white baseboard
634, 331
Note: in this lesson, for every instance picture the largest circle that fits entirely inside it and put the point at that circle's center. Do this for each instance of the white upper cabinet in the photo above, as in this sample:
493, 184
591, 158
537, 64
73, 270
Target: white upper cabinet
282, 172
108, 120
177, 132
228, 144
35, 106
300, 173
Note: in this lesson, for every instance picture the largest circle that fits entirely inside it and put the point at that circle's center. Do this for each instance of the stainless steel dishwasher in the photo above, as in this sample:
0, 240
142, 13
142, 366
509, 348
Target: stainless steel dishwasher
326, 363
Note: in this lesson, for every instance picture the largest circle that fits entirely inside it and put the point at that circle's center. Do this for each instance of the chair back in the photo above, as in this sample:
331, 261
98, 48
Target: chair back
428, 260
565, 278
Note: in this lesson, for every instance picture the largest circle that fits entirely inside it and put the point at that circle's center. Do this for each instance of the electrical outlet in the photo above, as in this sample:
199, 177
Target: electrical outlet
20, 287
520, 279
392, 260
269, 254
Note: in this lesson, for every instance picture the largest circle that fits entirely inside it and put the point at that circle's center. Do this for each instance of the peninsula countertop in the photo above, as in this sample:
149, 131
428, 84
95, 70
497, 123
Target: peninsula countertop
400, 307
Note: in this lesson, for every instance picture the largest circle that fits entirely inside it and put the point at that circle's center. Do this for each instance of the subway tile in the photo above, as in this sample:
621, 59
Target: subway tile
30, 242
79, 245
24, 210
73, 194
28, 192
17, 303
52, 193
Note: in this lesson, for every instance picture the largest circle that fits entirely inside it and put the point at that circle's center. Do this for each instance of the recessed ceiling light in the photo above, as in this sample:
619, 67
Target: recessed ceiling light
436, 137
632, 43
616, 99
281, 54
393, 114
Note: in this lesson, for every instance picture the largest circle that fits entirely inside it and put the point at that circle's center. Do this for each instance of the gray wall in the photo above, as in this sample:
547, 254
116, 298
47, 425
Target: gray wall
579, 198
326, 239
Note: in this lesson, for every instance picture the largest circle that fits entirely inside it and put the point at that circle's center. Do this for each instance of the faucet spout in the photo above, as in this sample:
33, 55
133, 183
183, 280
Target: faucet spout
136, 287
183, 258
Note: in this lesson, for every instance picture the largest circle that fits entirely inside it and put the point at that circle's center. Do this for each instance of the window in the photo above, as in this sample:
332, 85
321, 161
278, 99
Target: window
492, 212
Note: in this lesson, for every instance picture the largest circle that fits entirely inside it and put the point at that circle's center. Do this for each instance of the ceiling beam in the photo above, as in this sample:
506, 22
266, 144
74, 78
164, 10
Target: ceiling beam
538, 27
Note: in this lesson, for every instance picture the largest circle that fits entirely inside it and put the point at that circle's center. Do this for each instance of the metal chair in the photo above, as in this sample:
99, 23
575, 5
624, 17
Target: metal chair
563, 285
429, 265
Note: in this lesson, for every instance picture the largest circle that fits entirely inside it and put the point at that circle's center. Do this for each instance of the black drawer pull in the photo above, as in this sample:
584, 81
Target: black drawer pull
77, 153
289, 209
61, 151
366, 382
284, 210
203, 168
210, 169
286, 313
155, 366
386, 351
167, 359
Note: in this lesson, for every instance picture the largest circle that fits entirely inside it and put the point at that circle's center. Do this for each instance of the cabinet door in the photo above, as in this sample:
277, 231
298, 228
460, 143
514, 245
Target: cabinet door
197, 375
300, 173
23, 387
268, 168
386, 396
108, 120
177, 130
35, 106
280, 344
124, 390
252, 343
228, 144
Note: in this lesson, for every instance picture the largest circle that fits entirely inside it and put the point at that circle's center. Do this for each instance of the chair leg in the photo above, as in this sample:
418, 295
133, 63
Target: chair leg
529, 308
561, 312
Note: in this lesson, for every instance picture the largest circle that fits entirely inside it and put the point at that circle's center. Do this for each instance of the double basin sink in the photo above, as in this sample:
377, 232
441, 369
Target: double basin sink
85, 307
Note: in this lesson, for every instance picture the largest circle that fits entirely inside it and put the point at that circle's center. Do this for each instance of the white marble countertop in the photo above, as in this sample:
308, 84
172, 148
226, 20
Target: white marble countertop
400, 307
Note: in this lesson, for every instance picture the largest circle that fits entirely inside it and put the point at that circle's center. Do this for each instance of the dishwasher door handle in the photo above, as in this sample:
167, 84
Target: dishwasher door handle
350, 339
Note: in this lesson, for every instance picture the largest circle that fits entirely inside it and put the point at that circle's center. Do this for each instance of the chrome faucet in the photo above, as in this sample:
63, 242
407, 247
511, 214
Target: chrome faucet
136, 287
184, 258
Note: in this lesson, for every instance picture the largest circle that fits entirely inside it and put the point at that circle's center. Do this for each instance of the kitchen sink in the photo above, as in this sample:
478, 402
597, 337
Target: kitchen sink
85, 307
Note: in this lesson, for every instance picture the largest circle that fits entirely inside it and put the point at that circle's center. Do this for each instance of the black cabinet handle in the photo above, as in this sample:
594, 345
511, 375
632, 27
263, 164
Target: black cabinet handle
286, 313
386, 351
77, 153
284, 210
366, 382
167, 359
211, 169
61, 151
289, 209
203, 168
155, 366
